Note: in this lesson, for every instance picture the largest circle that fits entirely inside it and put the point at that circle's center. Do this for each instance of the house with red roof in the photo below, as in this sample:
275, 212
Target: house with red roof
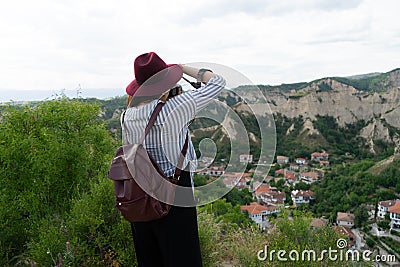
346, 231
302, 197
213, 171
229, 181
345, 219
319, 156
290, 177
383, 207
258, 213
309, 177
279, 172
394, 216
301, 161
319, 222
324, 163
282, 159
268, 195
243, 181
236, 179
275, 198
294, 167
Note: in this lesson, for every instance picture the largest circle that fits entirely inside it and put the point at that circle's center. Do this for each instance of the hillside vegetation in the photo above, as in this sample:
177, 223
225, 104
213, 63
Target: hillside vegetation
57, 204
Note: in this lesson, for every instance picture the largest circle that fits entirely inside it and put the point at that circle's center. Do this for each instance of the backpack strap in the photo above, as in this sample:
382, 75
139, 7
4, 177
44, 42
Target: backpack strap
152, 120
123, 127
179, 167
150, 124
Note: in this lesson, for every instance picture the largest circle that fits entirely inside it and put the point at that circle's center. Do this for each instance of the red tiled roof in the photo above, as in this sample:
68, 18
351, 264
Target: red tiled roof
281, 158
387, 203
312, 175
278, 195
395, 208
318, 154
299, 193
291, 176
229, 180
265, 188
270, 208
343, 216
254, 208
344, 230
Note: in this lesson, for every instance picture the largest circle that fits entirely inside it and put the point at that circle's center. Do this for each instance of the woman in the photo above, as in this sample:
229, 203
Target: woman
172, 240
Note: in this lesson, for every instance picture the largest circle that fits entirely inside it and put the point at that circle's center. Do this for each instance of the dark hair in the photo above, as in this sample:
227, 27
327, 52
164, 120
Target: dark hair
136, 100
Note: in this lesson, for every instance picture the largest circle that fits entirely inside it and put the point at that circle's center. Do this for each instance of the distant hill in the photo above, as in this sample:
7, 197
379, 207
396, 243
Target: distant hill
363, 76
368, 105
362, 110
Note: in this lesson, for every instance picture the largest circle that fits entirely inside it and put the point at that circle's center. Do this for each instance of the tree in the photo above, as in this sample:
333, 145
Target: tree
360, 216
296, 234
199, 180
48, 154
280, 184
302, 186
384, 224
386, 194
239, 197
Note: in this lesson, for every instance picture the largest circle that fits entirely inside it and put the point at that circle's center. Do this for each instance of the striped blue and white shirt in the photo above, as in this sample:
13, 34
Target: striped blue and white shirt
167, 136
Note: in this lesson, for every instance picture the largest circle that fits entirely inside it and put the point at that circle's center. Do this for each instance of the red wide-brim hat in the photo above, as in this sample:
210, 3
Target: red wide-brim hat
153, 76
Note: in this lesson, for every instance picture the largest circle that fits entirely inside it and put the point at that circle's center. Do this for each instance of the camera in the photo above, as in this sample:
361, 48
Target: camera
177, 90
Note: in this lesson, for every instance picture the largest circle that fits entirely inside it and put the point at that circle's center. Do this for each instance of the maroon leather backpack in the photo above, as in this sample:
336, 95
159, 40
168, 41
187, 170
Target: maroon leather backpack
139, 181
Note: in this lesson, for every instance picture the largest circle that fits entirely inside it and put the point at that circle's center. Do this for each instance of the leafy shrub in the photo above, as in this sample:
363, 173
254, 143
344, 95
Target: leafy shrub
295, 233
384, 224
95, 232
242, 245
49, 153
210, 233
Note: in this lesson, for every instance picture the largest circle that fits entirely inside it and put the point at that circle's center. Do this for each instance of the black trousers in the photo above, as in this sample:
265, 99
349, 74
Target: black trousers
172, 241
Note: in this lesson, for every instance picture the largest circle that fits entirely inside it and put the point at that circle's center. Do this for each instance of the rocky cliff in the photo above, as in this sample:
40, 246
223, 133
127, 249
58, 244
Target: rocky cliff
376, 100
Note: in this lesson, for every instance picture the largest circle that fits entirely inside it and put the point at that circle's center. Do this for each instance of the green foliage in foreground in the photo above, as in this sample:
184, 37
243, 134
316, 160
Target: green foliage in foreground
291, 232
57, 204
91, 234
49, 155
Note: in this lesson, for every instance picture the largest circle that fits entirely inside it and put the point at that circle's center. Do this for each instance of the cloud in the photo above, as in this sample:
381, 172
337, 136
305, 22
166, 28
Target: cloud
53, 44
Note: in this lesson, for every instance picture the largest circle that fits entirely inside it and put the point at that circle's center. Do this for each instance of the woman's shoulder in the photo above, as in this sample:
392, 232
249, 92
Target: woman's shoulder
140, 111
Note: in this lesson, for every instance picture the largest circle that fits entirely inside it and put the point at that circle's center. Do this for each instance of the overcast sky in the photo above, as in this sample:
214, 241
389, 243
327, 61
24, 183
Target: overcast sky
52, 44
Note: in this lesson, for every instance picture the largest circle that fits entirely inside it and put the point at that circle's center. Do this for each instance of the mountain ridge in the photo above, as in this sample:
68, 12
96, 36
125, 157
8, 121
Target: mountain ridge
377, 103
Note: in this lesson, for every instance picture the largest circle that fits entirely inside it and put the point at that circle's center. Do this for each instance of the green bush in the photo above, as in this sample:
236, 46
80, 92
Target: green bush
384, 224
49, 154
242, 246
210, 233
94, 229
296, 234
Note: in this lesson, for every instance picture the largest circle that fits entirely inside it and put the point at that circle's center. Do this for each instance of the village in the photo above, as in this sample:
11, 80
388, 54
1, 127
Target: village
269, 201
